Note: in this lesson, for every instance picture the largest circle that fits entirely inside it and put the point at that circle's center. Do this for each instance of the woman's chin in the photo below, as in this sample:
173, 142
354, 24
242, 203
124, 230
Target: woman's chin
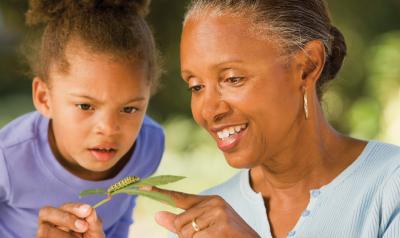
239, 162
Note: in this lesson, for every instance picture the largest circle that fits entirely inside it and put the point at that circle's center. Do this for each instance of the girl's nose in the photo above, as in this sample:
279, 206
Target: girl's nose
107, 125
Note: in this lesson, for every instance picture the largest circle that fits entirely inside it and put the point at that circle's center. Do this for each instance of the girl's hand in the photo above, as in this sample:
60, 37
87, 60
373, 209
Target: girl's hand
204, 217
71, 220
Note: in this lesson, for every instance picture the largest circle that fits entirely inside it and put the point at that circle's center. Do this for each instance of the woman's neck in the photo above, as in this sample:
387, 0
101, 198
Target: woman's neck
310, 160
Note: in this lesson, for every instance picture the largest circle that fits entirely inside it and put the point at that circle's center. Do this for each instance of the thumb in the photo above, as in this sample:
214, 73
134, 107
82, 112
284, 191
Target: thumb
95, 229
166, 220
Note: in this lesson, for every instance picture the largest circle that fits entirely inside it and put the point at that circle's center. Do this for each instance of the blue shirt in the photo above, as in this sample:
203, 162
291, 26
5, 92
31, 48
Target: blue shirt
31, 177
362, 202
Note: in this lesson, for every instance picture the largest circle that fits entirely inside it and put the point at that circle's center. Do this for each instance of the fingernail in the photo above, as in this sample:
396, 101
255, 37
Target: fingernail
80, 225
84, 209
146, 188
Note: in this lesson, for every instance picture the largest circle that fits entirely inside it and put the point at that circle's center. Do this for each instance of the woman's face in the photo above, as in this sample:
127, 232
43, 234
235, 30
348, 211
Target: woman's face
244, 93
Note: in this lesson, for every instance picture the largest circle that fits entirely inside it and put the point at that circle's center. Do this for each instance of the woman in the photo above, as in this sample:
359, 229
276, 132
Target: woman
256, 70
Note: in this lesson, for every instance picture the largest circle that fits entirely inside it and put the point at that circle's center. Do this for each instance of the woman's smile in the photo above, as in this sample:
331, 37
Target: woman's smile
229, 137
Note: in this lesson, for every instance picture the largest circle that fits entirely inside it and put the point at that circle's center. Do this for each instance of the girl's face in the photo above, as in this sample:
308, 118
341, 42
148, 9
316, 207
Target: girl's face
97, 108
243, 92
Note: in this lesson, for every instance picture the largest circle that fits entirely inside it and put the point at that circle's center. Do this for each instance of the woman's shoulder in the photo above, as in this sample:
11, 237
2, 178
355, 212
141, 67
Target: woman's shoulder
236, 190
228, 187
380, 161
383, 155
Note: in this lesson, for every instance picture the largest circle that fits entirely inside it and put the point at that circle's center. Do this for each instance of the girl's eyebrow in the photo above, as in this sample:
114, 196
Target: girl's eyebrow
136, 99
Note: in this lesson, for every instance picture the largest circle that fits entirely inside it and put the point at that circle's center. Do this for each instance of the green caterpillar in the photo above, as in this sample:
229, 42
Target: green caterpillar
122, 183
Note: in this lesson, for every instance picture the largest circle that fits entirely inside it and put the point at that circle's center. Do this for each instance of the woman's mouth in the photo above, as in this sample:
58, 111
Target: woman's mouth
229, 137
103, 154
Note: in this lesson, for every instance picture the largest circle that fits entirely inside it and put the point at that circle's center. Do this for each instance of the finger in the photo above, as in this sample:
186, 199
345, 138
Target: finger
181, 200
78, 209
61, 218
206, 233
46, 230
95, 226
193, 227
188, 216
166, 220
76, 234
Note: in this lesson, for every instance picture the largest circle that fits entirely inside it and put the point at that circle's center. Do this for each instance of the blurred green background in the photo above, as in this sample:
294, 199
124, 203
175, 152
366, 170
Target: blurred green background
364, 100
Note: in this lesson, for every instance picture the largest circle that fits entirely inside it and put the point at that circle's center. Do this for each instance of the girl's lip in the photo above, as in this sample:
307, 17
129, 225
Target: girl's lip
103, 156
228, 144
105, 146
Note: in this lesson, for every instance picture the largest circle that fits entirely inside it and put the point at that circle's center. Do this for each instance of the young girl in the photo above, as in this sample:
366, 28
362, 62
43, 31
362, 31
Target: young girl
95, 70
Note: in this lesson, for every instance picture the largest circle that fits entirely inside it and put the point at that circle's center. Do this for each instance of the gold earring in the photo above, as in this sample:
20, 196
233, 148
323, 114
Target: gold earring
305, 103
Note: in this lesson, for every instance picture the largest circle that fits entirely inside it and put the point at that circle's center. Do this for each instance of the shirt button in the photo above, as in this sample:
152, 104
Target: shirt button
306, 213
315, 193
292, 233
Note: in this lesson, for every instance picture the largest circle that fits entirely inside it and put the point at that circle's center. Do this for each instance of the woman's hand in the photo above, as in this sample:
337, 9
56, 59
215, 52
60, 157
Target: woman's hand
71, 220
204, 217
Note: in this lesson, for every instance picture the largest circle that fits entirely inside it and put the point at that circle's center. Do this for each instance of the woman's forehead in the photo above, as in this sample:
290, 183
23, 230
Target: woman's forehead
220, 38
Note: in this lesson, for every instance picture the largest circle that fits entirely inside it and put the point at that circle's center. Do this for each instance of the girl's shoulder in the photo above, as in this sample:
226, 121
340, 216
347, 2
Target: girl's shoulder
149, 123
21, 129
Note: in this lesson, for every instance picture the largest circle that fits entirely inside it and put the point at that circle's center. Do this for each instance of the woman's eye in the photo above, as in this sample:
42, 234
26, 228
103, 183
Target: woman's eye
84, 106
196, 88
235, 80
129, 109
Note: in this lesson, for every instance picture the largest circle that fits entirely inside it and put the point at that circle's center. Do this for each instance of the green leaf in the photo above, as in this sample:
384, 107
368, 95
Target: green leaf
133, 190
88, 192
149, 194
157, 180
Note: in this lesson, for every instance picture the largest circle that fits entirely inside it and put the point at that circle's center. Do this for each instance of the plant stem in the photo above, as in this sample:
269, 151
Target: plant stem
102, 202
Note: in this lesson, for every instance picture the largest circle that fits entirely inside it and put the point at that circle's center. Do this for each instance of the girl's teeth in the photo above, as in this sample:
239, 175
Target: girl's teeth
104, 150
231, 130
237, 128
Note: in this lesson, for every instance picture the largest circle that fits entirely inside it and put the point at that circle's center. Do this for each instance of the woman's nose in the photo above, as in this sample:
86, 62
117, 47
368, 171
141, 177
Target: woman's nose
214, 107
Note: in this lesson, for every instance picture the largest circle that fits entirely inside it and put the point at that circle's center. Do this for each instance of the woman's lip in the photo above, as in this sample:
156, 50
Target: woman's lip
103, 156
217, 129
231, 142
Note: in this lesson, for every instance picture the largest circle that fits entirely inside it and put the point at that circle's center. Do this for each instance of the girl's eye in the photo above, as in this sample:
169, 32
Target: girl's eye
129, 110
84, 106
196, 88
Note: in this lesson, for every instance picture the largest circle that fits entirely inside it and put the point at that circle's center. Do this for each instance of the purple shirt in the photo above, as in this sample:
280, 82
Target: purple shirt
31, 177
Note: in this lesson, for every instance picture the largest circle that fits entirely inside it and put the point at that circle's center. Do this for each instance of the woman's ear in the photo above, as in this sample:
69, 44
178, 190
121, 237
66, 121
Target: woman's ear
41, 96
311, 62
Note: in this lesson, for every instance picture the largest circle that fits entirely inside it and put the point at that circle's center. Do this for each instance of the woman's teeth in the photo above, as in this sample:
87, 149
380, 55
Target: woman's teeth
225, 133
